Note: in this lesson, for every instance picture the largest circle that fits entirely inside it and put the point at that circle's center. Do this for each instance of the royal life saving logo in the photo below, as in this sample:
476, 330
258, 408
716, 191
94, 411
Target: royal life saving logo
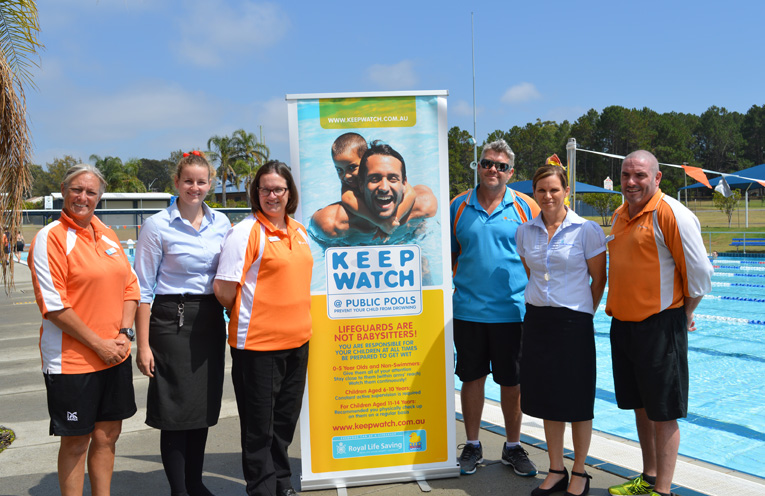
382, 443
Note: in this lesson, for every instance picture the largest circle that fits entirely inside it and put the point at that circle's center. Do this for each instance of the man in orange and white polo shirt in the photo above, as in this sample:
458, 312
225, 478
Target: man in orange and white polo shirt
658, 274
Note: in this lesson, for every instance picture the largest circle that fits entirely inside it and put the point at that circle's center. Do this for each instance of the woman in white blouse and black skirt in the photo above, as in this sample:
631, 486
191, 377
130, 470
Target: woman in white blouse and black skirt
182, 334
561, 253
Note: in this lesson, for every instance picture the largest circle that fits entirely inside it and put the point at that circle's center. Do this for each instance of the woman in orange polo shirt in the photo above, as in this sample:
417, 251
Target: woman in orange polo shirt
264, 281
88, 294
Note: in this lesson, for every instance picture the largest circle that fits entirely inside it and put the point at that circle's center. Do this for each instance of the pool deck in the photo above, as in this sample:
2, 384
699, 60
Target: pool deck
28, 467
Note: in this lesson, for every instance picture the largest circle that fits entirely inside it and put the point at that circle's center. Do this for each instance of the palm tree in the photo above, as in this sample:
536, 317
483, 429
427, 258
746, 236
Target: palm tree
129, 181
222, 149
120, 178
19, 27
254, 152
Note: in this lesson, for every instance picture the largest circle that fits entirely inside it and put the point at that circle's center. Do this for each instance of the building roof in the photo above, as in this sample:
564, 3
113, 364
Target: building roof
231, 187
127, 196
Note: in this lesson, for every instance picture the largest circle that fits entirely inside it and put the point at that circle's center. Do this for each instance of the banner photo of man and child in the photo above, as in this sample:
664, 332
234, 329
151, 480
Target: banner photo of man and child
372, 174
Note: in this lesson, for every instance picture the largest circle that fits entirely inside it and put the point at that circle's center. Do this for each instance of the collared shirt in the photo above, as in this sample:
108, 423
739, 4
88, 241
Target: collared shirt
489, 277
174, 258
92, 277
559, 275
272, 269
656, 260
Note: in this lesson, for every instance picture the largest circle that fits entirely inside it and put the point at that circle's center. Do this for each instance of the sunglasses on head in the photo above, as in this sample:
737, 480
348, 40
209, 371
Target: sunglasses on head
487, 164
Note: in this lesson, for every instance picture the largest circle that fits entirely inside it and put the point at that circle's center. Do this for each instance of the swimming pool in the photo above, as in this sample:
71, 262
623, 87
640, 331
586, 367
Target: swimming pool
726, 412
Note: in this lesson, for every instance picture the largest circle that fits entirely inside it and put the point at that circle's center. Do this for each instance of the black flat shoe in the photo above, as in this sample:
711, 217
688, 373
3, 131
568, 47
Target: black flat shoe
561, 485
586, 484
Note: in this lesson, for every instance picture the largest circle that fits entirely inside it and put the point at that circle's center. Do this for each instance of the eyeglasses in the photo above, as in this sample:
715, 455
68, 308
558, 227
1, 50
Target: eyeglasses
267, 191
487, 164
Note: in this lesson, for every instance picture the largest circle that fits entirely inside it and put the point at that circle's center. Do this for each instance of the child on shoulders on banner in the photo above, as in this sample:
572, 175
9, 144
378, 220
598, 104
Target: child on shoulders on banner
347, 151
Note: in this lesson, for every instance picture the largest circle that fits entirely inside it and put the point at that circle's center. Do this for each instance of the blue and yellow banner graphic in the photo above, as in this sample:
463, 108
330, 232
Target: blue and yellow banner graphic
372, 173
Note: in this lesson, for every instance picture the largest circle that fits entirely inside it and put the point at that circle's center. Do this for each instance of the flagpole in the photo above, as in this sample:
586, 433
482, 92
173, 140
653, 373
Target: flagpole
475, 137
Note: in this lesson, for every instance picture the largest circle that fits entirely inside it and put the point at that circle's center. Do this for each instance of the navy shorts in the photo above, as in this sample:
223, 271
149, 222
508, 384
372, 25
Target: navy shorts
483, 348
77, 401
650, 363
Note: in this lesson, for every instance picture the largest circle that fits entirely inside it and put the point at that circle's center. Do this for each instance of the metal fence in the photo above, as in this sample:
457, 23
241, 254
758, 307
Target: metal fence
125, 222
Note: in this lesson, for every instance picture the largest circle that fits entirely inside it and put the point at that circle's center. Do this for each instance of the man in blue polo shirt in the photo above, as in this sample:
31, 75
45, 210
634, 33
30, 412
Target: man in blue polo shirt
489, 280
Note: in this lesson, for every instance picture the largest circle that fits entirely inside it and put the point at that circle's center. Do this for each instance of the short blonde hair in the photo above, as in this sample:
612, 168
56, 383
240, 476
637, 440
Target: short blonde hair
78, 169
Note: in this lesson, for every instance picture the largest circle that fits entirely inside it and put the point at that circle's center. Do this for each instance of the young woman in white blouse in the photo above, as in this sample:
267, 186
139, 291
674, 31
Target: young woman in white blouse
182, 335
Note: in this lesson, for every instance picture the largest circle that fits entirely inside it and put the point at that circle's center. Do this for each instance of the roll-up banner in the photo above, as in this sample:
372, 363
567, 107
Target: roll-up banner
372, 173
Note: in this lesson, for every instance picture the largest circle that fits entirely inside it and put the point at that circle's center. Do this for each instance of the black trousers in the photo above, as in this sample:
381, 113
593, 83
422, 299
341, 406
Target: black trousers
269, 389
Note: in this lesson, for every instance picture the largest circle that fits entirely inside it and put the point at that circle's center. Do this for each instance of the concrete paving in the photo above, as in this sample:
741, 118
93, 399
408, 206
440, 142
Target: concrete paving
28, 467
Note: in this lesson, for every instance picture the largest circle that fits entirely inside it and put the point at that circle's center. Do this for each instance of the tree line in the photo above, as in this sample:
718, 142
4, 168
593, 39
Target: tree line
237, 158
717, 140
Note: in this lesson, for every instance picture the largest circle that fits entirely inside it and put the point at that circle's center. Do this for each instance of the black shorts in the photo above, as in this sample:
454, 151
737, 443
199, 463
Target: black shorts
77, 401
650, 363
483, 348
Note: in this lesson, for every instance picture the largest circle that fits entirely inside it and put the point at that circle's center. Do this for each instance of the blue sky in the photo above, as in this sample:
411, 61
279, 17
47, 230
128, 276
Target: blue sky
141, 78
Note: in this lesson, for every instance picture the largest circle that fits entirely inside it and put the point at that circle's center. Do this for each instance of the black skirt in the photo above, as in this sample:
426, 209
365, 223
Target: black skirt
187, 387
558, 364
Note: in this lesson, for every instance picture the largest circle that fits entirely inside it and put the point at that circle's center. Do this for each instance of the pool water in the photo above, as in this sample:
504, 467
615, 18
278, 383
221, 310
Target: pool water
726, 412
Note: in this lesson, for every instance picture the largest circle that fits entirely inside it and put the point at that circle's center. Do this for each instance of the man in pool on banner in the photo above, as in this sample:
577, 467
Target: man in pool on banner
658, 274
382, 175
489, 281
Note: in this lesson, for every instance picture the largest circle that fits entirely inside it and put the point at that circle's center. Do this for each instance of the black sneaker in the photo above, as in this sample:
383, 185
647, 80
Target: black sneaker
471, 456
518, 458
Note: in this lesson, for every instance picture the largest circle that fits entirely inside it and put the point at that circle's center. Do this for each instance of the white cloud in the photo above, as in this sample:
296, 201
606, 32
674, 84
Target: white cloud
145, 121
521, 93
560, 114
273, 115
393, 77
461, 108
221, 30
136, 111
74, 14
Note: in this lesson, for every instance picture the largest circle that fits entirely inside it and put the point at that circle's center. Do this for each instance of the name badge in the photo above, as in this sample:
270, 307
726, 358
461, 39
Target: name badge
111, 251
274, 238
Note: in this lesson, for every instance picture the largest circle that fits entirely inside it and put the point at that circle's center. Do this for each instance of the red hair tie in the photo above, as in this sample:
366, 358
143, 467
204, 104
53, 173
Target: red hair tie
194, 152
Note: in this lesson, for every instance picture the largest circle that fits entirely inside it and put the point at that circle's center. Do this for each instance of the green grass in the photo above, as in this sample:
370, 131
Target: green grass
714, 225
6, 437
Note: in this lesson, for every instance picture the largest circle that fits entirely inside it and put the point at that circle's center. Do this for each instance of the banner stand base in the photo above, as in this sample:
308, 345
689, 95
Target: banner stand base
419, 476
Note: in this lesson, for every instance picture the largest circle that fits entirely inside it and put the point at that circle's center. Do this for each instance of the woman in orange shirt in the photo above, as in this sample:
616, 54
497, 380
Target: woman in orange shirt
75, 262
264, 281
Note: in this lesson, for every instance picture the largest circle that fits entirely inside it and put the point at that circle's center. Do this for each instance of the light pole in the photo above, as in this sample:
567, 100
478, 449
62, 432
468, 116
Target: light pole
151, 184
474, 165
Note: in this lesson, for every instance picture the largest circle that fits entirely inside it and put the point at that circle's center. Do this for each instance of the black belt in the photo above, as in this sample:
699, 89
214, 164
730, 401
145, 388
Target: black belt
181, 298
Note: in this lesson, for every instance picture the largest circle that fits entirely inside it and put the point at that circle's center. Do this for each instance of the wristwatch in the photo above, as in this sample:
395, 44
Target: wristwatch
129, 332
